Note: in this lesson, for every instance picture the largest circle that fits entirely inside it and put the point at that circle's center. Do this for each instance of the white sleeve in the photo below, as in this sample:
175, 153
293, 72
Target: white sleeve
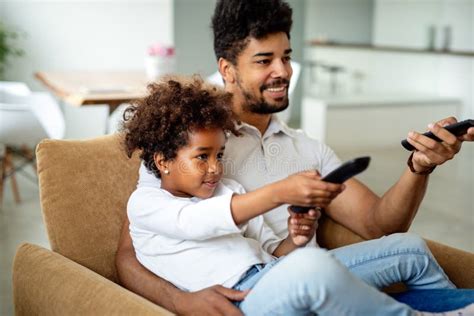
233, 185
257, 229
152, 210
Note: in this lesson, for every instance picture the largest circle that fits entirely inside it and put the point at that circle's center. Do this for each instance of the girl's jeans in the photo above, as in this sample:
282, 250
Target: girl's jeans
344, 281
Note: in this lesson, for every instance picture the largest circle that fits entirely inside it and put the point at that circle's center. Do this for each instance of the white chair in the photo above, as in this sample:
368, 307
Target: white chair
13, 87
24, 121
216, 79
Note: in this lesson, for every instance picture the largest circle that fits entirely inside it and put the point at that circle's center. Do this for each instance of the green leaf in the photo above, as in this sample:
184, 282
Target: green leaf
8, 46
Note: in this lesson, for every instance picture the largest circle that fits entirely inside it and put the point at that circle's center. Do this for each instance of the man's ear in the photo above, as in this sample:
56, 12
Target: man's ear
160, 162
227, 70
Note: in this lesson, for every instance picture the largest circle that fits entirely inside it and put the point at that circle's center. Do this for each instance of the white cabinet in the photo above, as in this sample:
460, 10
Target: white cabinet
409, 23
360, 121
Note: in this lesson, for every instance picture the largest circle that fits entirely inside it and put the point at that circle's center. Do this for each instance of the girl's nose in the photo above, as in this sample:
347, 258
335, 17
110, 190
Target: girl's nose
213, 166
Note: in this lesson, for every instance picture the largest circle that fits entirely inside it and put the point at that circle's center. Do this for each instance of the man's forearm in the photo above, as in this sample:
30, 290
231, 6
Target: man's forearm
139, 280
370, 216
397, 208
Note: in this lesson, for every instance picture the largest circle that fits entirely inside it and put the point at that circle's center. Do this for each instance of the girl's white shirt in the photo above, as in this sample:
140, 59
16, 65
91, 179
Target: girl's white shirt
195, 243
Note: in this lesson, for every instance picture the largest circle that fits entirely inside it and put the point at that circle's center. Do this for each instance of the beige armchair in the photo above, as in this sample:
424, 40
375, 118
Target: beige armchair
84, 188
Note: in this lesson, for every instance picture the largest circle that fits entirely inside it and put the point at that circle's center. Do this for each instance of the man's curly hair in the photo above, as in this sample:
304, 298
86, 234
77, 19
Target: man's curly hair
160, 122
235, 21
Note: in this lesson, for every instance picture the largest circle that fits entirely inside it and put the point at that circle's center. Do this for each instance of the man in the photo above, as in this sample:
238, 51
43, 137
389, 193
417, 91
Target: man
251, 42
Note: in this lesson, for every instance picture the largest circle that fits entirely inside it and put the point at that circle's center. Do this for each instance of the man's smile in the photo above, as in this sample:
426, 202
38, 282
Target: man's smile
277, 89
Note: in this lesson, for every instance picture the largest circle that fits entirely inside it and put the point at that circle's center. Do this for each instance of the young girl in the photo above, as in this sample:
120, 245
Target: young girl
199, 230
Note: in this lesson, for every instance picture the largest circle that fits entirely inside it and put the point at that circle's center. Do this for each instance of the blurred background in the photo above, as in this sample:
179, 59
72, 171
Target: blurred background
370, 71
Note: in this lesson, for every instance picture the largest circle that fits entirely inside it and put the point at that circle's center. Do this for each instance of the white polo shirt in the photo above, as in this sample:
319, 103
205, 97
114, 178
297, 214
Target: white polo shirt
254, 160
194, 243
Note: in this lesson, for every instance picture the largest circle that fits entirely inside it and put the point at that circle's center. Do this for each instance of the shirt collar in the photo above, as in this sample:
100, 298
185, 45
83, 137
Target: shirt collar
276, 126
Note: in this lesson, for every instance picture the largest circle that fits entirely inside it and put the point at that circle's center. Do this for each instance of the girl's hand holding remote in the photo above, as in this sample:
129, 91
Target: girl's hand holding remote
303, 226
307, 189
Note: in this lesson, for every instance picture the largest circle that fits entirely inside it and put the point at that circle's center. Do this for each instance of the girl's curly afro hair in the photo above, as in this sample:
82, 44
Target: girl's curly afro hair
160, 122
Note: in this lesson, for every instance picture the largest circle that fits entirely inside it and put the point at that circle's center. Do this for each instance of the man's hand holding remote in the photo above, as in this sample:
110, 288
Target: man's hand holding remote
430, 153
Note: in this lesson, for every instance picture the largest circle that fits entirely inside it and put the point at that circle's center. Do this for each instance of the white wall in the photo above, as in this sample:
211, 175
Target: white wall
339, 20
85, 35
193, 36
442, 75
407, 22
397, 22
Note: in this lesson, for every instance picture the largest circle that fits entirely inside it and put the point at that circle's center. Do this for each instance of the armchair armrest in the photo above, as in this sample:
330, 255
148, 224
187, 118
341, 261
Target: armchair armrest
458, 264
46, 283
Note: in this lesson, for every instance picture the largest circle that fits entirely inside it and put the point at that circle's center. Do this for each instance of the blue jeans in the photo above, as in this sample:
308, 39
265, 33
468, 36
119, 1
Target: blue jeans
392, 259
343, 281
435, 301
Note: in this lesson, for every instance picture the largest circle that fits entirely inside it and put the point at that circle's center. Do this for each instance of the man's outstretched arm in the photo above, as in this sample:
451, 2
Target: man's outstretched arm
371, 216
214, 300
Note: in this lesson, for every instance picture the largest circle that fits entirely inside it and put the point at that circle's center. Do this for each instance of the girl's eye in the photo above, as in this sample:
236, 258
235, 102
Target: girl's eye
220, 156
202, 157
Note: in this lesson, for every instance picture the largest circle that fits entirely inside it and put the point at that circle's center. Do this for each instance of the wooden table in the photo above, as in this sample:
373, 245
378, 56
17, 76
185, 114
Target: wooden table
81, 88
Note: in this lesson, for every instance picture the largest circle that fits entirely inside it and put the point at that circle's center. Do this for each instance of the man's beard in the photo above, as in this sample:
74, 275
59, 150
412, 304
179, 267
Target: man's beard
254, 104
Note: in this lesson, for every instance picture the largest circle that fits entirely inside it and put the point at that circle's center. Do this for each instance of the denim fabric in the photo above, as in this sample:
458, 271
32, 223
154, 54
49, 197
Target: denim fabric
405, 258
343, 281
311, 281
392, 259
252, 276
436, 300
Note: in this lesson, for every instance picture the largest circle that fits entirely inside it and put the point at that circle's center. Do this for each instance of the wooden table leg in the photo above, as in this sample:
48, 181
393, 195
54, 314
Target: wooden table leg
10, 167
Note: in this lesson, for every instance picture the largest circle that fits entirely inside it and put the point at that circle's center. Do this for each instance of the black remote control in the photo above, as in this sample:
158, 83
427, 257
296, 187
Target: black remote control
340, 175
457, 129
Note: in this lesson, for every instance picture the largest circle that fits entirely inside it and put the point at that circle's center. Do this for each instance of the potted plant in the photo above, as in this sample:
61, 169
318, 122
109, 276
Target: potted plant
7, 49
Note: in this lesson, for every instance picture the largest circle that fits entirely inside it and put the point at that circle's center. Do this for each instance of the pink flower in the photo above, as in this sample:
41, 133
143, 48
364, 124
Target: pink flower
160, 50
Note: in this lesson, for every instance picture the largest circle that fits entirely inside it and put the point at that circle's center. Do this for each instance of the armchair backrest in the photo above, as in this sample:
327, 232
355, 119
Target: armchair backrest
84, 189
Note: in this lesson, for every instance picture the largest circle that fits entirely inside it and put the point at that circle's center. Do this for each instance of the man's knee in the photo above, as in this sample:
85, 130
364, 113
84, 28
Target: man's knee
314, 262
409, 241
316, 271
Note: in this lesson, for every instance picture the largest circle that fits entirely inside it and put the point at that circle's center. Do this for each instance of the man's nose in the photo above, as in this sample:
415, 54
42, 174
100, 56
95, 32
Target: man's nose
281, 69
